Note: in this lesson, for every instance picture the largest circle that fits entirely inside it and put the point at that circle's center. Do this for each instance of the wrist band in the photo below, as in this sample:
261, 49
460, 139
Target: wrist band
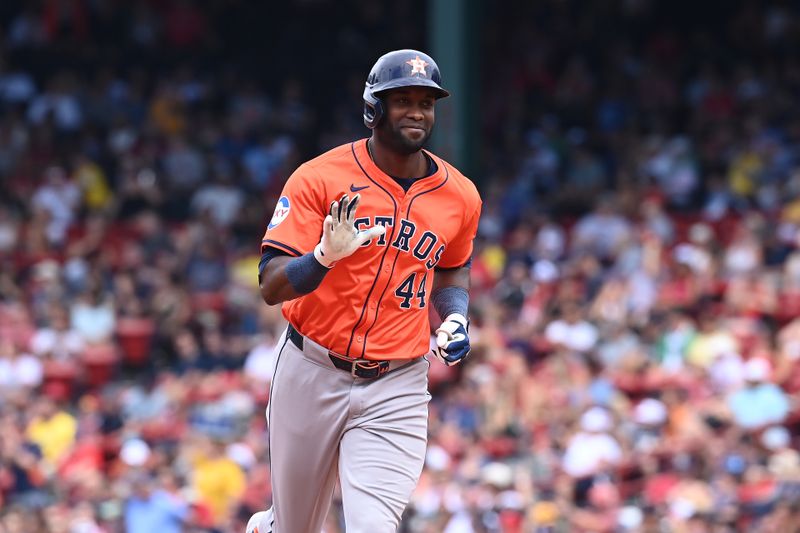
305, 273
449, 300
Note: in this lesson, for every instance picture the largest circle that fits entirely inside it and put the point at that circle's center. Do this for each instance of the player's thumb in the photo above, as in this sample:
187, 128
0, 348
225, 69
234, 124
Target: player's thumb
371, 233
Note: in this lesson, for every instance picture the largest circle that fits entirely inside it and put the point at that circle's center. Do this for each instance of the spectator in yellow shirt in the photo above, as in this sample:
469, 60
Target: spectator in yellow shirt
218, 480
52, 429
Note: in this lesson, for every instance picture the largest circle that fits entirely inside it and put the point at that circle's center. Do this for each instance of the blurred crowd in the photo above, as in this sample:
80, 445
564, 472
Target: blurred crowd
636, 277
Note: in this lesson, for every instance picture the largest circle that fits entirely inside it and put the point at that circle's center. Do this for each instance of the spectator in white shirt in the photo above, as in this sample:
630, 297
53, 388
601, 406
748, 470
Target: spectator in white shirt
590, 454
18, 369
221, 199
760, 402
601, 232
260, 361
57, 340
93, 317
592, 449
572, 331
58, 198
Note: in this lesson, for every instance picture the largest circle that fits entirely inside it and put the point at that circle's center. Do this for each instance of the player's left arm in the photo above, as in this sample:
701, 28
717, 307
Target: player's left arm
450, 298
450, 292
452, 277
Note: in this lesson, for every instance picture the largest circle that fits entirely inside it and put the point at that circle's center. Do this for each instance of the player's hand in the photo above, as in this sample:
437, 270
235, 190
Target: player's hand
452, 340
340, 238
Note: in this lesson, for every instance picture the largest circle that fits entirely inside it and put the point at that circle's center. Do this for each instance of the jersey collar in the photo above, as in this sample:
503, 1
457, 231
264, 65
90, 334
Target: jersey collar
372, 170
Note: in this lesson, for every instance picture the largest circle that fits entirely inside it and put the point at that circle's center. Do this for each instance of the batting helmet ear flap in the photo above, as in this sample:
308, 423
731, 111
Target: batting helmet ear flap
373, 109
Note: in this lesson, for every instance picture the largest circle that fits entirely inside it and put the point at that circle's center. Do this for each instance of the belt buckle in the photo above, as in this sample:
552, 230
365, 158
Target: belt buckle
356, 362
353, 362
367, 365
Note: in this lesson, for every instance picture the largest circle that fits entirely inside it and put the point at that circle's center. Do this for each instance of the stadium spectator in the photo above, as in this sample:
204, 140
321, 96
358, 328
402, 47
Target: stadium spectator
759, 402
151, 509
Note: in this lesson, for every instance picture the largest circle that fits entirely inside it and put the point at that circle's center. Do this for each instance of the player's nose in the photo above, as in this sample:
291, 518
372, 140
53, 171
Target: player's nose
415, 112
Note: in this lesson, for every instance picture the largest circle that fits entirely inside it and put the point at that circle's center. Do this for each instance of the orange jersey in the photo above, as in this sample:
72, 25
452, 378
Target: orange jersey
374, 303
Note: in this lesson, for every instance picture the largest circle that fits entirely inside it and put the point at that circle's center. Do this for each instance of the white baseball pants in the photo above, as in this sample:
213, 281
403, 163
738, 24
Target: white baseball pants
324, 424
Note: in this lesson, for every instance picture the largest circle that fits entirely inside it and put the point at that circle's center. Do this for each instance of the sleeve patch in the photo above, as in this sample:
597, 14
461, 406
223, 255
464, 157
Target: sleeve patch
281, 212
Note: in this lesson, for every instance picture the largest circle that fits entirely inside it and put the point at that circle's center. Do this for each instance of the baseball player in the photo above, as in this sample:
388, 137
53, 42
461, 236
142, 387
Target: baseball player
364, 239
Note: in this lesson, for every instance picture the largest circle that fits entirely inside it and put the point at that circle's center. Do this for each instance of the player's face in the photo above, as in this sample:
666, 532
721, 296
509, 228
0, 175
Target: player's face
409, 118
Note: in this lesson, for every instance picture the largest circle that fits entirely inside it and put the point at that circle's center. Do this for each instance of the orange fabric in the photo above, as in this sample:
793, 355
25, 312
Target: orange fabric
359, 309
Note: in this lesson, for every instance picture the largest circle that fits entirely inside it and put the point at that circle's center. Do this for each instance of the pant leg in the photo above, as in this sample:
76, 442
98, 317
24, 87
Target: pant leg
307, 412
383, 450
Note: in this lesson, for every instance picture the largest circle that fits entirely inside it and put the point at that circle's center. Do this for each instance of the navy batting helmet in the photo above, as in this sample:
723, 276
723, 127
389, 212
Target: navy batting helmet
401, 68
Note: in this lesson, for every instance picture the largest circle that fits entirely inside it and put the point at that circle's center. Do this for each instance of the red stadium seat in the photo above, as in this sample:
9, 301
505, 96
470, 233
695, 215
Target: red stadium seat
134, 336
59, 380
100, 362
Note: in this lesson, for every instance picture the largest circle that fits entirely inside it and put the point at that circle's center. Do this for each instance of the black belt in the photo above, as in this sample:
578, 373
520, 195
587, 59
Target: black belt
359, 368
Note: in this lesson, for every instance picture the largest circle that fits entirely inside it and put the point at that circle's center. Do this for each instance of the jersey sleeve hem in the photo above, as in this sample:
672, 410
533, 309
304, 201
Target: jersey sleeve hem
468, 264
280, 246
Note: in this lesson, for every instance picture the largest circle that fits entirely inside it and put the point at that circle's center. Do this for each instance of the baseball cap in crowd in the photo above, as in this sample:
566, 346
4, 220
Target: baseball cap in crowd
630, 518
511, 499
596, 419
650, 412
241, 454
687, 254
756, 369
776, 438
437, 459
545, 271
134, 452
499, 475
682, 509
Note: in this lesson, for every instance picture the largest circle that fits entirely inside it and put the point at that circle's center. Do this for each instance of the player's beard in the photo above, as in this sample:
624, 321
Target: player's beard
399, 142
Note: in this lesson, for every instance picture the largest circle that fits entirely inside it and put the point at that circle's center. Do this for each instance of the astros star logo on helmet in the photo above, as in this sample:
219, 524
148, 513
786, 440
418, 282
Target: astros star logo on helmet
418, 66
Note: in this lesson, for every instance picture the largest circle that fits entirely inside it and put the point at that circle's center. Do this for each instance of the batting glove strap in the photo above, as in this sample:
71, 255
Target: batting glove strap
452, 339
322, 258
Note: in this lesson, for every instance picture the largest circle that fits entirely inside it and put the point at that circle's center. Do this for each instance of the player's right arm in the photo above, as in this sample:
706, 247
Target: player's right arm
283, 278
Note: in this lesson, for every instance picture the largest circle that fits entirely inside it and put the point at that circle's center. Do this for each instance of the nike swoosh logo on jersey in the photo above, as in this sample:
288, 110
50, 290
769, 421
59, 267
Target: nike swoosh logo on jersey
353, 188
